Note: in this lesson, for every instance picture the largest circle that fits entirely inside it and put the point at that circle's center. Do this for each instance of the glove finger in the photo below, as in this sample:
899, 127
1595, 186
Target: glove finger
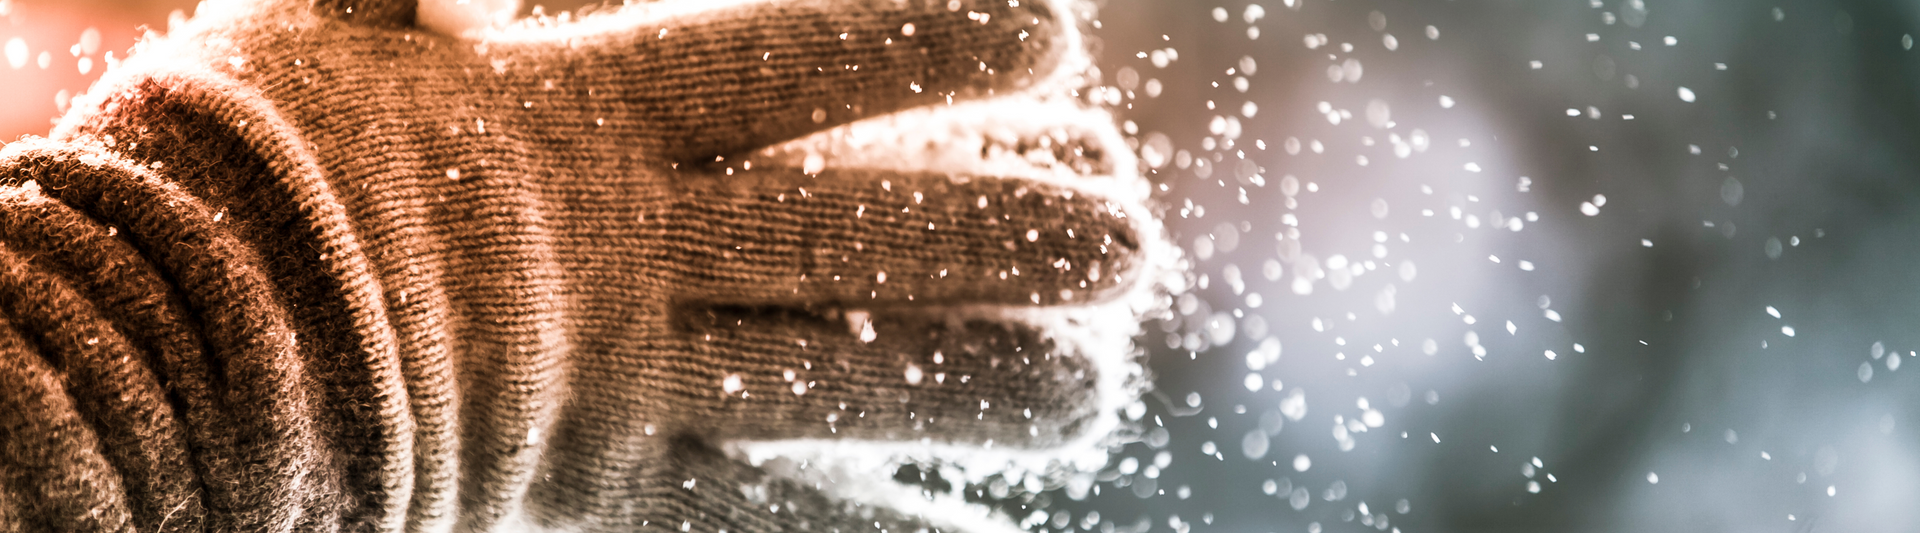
734, 375
1031, 136
681, 482
860, 237
48, 451
226, 346
697, 81
897, 378
105, 380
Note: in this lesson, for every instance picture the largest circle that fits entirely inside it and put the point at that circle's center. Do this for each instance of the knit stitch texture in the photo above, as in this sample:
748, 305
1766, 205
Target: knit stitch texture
300, 267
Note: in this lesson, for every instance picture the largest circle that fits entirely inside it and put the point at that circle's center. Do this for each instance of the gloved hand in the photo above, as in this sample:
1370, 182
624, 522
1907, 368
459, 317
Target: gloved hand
312, 267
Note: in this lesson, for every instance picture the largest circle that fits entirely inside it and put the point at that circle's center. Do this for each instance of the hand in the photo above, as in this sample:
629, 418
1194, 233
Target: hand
534, 279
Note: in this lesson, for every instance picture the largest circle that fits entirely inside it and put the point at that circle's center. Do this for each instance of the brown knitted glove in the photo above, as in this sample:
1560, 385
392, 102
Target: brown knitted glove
311, 268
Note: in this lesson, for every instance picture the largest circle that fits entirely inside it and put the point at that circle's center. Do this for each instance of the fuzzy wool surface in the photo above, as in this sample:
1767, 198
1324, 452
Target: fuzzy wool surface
706, 268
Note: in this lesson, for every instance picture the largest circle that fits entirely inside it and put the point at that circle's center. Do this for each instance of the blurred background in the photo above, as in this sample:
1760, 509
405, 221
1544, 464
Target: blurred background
1474, 265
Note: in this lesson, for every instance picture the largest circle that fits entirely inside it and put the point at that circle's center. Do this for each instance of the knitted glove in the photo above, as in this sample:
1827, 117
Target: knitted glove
309, 267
